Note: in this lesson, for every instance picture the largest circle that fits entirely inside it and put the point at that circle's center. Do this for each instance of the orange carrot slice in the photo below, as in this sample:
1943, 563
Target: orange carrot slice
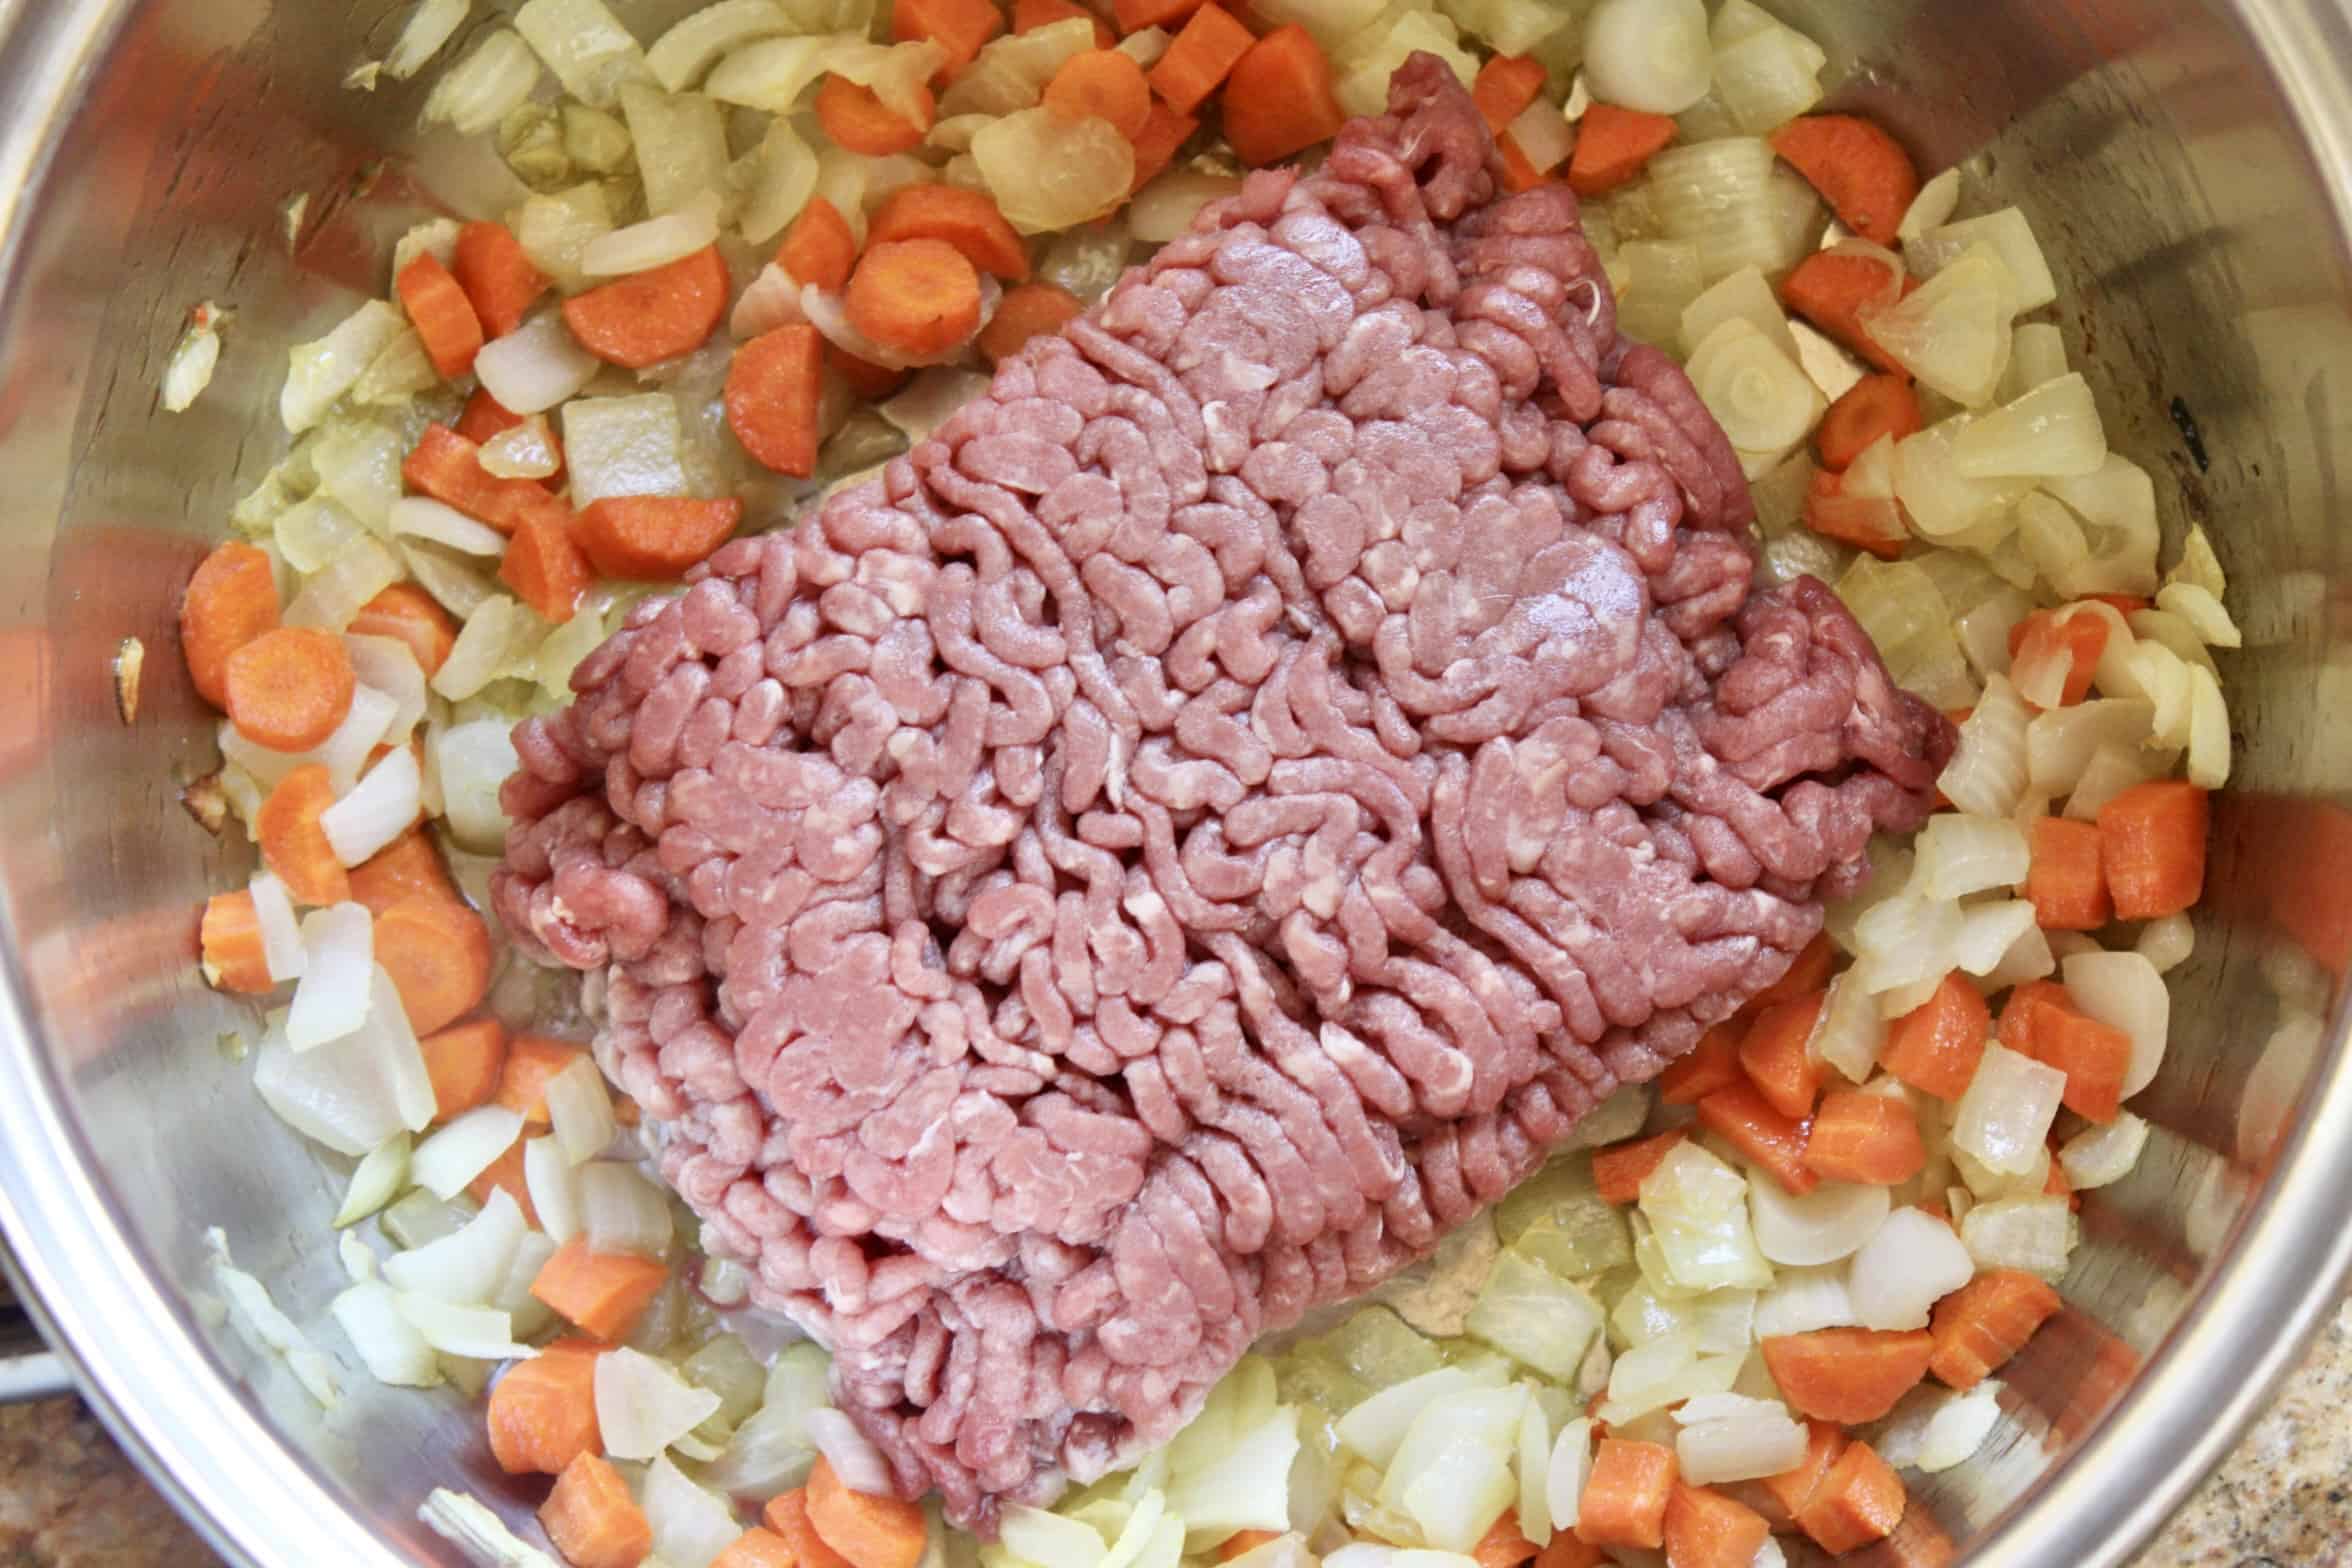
1977, 1328
603, 1292
593, 1520
1613, 146
543, 1412
1875, 406
1625, 1494
464, 1062
2152, 848
229, 938
1278, 99
857, 121
654, 315
1859, 169
1705, 1529
409, 613
294, 844
871, 1532
650, 537
531, 1060
543, 565
437, 953
1859, 1501
1741, 1116
1712, 1064
1196, 63
1029, 311
958, 26
290, 688
498, 278
1105, 84
773, 385
1935, 1047
1776, 1058
919, 297
231, 600
819, 247
441, 314
1848, 1375
965, 219
1862, 1137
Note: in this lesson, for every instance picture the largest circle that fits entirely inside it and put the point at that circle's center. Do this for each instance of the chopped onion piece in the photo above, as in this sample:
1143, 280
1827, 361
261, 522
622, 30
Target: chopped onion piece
1958, 854
2202, 610
2117, 506
1650, 55
2037, 354
1959, 1428
2010, 239
338, 959
379, 1176
553, 229
680, 56
1698, 1207
1987, 775
1942, 502
389, 665
536, 366
1744, 295
1532, 1465
1529, 1314
643, 1406
1542, 137
1759, 395
478, 1533
616, 446
2102, 1156
527, 451
320, 371
2124, 991
335, 593
427, 29
466, 1266
1765, 73
482, 649
470, 1144
2052, 430
771, 73
1748, 1447
2060, 743
1048, 171
623, 1212
2033, 1234
189, 370
1378, 1424
474, 759
1720, 196
2004, 1117
1905, 940
1801, 1300
458, 586
2209, 733
262, 1325
586, 47
1933, 207
554, 1187
581, 1110
388, 1344
475, 94
656, 242
1953, 331
386, 804
680, 142
2165, 943
1851, 1032
1830, 1222
1990, 932
1572, 1454
281, 934
854, 1458
1912, 1262
480, 1333
354, 1092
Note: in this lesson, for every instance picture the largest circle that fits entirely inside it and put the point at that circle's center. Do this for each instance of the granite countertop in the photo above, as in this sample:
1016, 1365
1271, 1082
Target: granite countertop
69, 1499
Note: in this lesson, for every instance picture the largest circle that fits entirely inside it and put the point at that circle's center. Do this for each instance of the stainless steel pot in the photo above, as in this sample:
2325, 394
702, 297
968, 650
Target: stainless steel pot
2189, 168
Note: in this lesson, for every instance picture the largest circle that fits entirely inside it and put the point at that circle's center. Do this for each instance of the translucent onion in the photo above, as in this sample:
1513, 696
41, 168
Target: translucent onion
481, 650
281, 934
615, 446
1899, 605
643, 1405
1650, 55
1958, 854
2004, 1117
553, 229
457, 585
2052, 430
656, 242
1958, 1428
527, 451
1801, 1300
427, 29
1762, 1442
1905, 940
2102, 1156
2202, 610
554, 1187
388, 1344
1010, 74
1720, 196
1991, 932
526, 1312
1662, 1373
373, 1183
586, 47
2010, 238
2117, 506
1830, 1222
1744, 295
854, 1458
1532, 1466
623, 1212
1987, 775
389, 665
1912, 1262
1369, 63
1571, 1466
784, 179
536, 366
2124, 991
338, 958
581, 1110
2037, 355
1766, 74
1662, 277
386, 803
1942, 502
331, 596
1953, 331
355, 1091
1696, 1205
2033, 1234
2060, 743
483, 88
470, 1144
474, 759
680, 140
770, 73
1932, 207
2167, 942
313, 532
1534, 1317
262, 1325
1049, 171
1378, 1424
680, 56
465, 1267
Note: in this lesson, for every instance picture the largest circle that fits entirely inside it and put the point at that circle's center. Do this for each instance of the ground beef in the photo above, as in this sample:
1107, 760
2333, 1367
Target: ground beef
1208, 819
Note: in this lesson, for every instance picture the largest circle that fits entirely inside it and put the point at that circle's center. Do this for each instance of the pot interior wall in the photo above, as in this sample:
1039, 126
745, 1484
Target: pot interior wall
2203, 293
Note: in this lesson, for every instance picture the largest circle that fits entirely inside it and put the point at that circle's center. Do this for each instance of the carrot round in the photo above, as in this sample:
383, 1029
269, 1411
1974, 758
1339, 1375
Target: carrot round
757, 1549
1829, 290
1613, 146
773, 386
1105, 84
857, 121
787, 1514
499, 279
441, 314
543, 565
604, 1293
543, 1412
872, 1532
1506, 85
965, 219
654, 536
654, 315
1849, 1375
819, 247
593, 1520
1162, 137
1872, 407
438, 955
409, 613
1857, 167
2152, 848
1278, 99
289, 688
465, 1062
1862, 1137
1196, 63
294, 845
919, 297
229, 938
230, 600
1029, 311
531, 1060
407, 866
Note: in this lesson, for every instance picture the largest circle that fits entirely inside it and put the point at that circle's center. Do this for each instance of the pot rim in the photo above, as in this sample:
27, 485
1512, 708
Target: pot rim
204, 1442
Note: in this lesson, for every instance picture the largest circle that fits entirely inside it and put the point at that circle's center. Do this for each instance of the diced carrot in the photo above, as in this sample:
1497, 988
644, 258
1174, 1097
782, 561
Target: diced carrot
592, 1519
1518, 173
408, 865
1710, 1065
294, 844
1028, 311
484, 416
1198, 60
1705, 1529
965, 219
1105, 84
1777, 1059
1625, 1494
787, 1514
1936, 1046
543, 1412
2062, 880
2152, 848
409, 613
870, 1531
2095, 1057
757, 1549
1278, 98
1808, 972
543, 563
773, 386
1862, 1137
1742, 1117
603, 1293
1849, 1375
1613, 145
865, 378
1156, 147
1135, 15
958, 26
290, 687
819, 248
506, 1174
1861, 171
437, 952
654, 315
1859, 1501
448, 467
230, 600
1242, 1542
855, 120
2068, 633
654, 536
1866, 524
531, 1060
1567, 1550
229, 938
1621, 1168
443, 317
498, 278
920, 297
1875, 406
1506, 85
465, 1062
1793, 1488
1829, 290
2022, 1012
1029, 15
